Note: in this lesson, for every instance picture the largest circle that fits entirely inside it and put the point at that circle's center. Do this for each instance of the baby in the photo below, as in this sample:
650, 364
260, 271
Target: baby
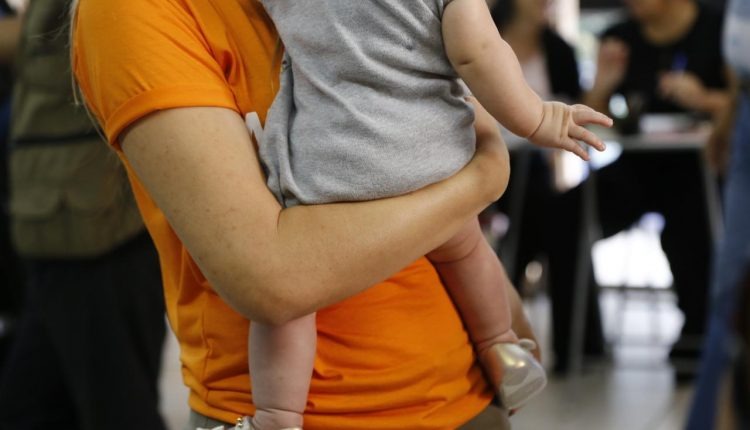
371, 105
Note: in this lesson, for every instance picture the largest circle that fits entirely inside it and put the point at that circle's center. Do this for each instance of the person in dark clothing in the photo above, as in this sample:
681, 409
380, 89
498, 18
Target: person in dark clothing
666, 57
727, 333
524, 26
88, 346
550, 67
676, 67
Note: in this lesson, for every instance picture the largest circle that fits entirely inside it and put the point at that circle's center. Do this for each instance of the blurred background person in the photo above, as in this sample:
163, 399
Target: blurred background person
548, 62
667, 54
549, 66
729, 149
664, 58
87, 352
11, 290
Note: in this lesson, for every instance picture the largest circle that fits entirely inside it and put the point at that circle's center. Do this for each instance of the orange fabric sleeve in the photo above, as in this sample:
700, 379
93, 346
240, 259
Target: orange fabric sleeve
175, 67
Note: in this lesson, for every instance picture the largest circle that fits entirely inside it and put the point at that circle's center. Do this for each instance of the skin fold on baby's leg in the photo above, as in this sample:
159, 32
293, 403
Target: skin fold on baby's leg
477, 283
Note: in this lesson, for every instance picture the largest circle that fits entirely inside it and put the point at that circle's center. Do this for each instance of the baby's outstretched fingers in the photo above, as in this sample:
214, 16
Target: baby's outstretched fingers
571, 145
584, 115
586, 136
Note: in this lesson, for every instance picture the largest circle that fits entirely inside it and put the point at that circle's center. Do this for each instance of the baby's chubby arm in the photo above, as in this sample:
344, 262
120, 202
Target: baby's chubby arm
489, 67
491, 70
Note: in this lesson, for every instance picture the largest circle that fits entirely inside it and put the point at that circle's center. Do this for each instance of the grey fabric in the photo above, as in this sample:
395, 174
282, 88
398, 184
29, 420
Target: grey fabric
369, 105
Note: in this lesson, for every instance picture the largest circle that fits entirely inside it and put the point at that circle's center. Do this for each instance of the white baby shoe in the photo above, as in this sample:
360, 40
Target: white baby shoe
516, 375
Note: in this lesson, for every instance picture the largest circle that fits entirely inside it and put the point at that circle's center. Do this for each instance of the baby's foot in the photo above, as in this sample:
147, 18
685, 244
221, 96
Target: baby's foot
514, 372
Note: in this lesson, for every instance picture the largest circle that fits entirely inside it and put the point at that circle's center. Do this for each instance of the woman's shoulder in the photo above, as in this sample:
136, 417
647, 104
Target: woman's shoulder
133, 57
125, 12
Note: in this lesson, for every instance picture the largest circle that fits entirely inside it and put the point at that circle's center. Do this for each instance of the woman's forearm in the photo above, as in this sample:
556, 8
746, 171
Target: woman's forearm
326, 253
598, 99
716, 102
273, 265
10, 31
357, 245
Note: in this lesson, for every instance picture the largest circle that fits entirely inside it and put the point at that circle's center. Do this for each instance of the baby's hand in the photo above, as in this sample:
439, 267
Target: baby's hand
562, 127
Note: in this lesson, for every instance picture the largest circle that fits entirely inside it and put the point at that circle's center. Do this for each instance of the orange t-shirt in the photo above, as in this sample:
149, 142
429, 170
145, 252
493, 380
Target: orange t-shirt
393, 357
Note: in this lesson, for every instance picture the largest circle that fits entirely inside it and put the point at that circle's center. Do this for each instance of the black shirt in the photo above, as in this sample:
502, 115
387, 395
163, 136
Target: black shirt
698, 52
562, 68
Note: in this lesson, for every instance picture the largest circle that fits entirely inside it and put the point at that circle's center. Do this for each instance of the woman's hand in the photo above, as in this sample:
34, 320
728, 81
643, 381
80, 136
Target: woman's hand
612, 65
684, 88
718, 147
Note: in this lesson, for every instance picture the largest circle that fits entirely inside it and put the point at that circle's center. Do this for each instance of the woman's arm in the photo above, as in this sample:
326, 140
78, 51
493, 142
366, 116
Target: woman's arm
719, 144
612, 64
274, 265
687, 90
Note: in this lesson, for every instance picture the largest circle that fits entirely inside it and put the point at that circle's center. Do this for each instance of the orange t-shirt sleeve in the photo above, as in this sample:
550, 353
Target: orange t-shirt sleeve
175, 65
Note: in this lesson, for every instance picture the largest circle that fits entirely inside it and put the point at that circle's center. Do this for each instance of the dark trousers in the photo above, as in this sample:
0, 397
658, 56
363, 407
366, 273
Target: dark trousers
12, 289
89, 344
668, 183
729, 280
672, 185
639, 182
11, 273
544, 213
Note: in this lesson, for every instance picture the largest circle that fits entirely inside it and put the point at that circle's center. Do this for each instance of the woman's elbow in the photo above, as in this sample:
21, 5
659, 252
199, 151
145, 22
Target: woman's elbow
280, 311
269, 302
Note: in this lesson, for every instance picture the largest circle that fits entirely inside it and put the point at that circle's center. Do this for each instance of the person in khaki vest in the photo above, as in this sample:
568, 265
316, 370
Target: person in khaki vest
88, 350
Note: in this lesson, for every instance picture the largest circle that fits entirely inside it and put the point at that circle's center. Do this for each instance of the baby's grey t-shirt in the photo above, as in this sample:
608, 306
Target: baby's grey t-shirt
369, 105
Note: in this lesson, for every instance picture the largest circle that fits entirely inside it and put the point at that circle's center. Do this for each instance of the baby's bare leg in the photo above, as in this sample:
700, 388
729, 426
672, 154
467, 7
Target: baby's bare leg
281, 364
477, 282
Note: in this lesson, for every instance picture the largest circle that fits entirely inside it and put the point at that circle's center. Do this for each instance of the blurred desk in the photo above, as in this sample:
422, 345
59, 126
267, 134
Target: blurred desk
664, 134
662, 139
694, 139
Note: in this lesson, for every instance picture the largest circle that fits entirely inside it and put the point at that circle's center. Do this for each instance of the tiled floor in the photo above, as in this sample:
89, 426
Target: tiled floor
173, 392
611, 399
633, 389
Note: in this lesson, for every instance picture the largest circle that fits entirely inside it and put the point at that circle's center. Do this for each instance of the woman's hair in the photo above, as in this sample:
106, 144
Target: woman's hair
503, 12
71, 28
73, 7
79, 100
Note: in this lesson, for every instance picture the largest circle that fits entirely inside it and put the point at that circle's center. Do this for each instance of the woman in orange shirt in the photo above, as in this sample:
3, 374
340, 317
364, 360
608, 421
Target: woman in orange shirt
174, 85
